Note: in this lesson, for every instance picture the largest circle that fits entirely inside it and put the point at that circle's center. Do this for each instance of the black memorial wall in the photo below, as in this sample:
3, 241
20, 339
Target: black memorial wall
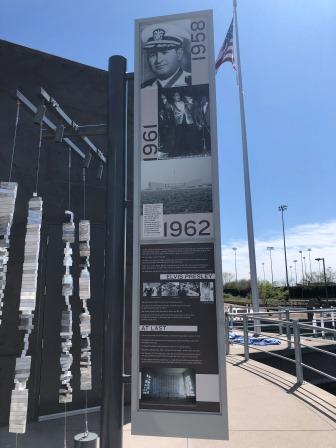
82, 93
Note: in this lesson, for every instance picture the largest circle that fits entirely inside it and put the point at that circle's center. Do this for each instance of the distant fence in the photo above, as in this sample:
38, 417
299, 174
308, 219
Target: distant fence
295, 292
305, 292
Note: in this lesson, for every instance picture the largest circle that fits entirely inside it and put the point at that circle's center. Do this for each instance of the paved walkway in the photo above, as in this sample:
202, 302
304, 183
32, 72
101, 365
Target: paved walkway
266, 410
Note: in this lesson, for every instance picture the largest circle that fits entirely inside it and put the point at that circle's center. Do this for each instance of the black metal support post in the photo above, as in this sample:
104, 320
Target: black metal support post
113, 397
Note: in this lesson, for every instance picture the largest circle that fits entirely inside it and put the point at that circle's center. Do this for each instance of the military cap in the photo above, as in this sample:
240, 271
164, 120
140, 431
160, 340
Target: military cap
163, 35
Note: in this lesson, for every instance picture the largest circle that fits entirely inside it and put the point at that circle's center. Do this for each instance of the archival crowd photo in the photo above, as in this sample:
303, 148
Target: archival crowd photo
184, 122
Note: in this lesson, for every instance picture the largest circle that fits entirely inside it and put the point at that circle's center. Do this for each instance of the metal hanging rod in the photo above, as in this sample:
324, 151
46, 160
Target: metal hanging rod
83, 130
56, 128
76, 129
30, 106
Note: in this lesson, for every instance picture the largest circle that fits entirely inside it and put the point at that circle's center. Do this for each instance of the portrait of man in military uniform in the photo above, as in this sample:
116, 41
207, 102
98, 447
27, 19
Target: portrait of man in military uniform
166, 55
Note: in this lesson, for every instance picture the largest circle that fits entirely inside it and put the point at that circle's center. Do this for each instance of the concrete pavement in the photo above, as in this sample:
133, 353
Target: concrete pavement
266, 410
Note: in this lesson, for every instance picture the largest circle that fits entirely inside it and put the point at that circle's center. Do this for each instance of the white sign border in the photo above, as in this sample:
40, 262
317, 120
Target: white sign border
202, 425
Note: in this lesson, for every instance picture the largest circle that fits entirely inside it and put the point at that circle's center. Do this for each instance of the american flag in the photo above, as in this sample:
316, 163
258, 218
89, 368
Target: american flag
226, 52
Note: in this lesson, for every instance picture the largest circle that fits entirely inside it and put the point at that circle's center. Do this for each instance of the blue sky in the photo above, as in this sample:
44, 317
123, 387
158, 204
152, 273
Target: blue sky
289, 71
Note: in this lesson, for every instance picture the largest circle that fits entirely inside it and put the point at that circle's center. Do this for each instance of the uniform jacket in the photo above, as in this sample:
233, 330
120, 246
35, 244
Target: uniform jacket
179, 79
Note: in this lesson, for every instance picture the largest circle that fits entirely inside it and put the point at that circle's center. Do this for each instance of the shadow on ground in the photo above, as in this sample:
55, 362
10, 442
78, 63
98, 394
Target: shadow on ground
50, 433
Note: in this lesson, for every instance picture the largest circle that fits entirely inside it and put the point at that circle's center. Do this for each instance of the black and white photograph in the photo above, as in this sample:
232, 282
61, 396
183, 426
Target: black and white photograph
151, 289
162, 384
184, 122
182, 186
189, 289
166, 55
207, 292
170, 289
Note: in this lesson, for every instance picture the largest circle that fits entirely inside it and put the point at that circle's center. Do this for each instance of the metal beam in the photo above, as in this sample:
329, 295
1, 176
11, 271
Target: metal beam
55, 107
30, 106
96, 129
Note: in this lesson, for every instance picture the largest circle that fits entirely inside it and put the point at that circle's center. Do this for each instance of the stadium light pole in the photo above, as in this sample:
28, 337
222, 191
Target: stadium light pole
325, 278
235, 260
311, 274
300, 252
319, 279
282, 209
305, 268
291, 277
295, 261
263, 266
270, 248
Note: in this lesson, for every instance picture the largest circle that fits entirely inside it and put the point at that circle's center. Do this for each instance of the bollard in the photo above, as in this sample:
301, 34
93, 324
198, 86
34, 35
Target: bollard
322, 324
227, 334
231, 317
288, 330
86, 440
333, 321
314, 322
298, 353
280, 320
245, 329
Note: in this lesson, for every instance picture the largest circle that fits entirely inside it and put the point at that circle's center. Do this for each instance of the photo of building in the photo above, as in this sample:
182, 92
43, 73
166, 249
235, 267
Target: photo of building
160, 384
182, 186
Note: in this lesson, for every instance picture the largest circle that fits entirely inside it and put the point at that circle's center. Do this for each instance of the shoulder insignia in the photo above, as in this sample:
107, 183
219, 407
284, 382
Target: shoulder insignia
148, 83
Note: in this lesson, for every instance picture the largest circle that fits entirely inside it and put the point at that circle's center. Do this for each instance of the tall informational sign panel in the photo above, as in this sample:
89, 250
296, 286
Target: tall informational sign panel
178, 361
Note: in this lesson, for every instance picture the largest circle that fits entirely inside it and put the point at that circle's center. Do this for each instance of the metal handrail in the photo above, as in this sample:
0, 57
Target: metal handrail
271, 353
261, 325
316, 327
292, 329
319, 371
276, 355
319, 349
277, 321
296, 311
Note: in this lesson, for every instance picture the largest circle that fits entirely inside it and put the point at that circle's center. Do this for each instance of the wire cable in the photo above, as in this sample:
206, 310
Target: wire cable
86, 415
14, 139
84, 191
39, 155
69, 179
65, 425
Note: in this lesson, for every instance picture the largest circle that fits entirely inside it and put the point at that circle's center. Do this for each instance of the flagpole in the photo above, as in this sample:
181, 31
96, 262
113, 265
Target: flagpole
248, 202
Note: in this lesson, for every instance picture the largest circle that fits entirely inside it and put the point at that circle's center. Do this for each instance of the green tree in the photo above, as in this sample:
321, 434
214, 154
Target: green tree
242, 284
272, 295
